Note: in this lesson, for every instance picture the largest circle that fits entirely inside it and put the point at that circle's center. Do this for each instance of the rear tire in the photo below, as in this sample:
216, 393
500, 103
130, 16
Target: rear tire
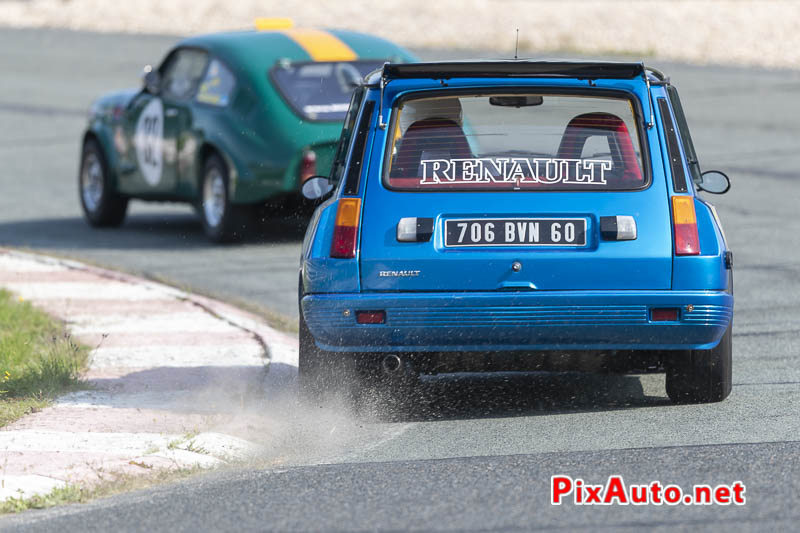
323, 375
102, 206
701, 376
222, 221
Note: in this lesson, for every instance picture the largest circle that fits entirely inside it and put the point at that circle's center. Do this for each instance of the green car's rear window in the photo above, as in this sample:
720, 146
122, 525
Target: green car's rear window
320, 90
516, 142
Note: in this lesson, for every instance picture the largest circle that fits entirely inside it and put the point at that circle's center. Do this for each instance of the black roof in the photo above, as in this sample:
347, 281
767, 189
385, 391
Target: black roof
514, 69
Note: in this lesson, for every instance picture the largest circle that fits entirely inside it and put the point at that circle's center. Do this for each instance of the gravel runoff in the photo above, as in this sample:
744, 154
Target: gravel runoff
760, 33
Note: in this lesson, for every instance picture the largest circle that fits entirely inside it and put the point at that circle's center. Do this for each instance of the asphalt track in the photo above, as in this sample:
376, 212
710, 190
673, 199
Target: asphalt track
479, 452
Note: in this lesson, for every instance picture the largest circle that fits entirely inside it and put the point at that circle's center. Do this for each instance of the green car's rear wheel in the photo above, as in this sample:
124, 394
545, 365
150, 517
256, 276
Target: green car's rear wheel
701, 376
222, 221
102, 206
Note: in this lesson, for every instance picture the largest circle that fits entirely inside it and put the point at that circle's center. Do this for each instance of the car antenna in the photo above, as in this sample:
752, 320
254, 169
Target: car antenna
516, 46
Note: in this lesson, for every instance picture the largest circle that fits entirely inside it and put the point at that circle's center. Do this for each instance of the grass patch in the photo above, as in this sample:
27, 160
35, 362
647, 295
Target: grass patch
13, 408
58, 496
38, 358
114, 484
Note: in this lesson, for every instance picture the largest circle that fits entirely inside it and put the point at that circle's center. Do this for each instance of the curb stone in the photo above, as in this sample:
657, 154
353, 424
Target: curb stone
166, 370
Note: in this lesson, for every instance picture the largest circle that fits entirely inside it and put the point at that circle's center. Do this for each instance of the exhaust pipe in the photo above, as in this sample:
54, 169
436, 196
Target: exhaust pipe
391, 364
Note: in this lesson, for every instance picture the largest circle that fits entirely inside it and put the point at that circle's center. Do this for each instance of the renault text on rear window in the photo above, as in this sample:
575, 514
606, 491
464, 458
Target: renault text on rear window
531, 142
320, 90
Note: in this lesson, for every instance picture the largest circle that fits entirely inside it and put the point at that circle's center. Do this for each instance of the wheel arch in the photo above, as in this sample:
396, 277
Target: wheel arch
207, 149
107, 152
90, 135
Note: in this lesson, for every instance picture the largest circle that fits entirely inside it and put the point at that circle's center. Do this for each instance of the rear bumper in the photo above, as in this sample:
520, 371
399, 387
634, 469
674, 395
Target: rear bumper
573, 320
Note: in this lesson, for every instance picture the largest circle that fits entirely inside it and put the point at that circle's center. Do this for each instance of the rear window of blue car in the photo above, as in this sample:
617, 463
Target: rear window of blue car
515, 141
320, 90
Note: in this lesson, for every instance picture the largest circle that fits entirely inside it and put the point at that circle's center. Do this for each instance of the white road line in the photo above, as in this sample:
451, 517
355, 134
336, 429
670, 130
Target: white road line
27, 485
178, 356
27, 440
211, 444
12, 263
193, 322
111, 290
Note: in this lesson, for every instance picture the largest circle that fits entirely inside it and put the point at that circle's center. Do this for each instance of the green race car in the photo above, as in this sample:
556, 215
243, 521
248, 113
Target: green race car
227, 122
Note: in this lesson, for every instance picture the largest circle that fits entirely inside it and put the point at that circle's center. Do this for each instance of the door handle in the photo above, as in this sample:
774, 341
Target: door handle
171, 112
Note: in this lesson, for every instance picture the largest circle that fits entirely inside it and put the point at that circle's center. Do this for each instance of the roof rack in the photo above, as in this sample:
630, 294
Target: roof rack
514, 69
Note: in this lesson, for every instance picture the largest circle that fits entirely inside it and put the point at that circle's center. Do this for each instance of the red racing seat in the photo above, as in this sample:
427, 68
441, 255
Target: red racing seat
430, 138
626, 169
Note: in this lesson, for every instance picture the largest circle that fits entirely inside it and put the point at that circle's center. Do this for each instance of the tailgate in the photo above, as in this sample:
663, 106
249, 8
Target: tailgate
538, 241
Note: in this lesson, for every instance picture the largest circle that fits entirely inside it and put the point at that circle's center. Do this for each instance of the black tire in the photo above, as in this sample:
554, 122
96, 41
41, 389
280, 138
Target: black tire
222, 220
701, 376
323, 375
102, 205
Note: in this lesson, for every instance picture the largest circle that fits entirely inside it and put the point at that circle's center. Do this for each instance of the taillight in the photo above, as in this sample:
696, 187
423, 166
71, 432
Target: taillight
308, 166
345, 231
684, 223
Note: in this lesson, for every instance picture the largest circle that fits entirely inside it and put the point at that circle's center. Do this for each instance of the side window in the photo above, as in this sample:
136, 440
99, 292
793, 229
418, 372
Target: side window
217, 85
673, 148
182, 73
355, 165
340, 158
686, 138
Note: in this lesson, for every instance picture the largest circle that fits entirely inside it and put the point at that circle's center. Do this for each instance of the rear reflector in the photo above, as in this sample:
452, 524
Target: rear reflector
308, 166
664, 314
371, 317
345, 231
684, 222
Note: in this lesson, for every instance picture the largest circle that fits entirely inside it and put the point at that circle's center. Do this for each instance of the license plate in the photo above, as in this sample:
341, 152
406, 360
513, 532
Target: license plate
515, 232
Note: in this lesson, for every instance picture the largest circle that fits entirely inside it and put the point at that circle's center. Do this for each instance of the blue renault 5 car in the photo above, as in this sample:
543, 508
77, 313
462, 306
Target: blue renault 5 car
516, 214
